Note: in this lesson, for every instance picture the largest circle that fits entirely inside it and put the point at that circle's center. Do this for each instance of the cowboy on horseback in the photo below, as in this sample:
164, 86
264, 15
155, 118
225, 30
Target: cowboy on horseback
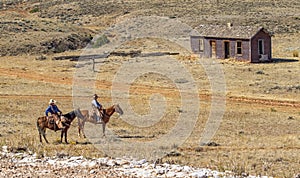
97, 109
53, 110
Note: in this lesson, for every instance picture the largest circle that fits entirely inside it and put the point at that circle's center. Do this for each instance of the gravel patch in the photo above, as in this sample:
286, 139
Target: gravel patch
29, 165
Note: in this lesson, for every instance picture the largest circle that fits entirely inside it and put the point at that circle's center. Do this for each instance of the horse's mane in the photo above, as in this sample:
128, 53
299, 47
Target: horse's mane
70, 115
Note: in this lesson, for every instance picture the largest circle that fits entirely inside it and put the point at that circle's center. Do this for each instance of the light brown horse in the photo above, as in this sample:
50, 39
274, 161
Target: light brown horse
44, 122
89, 118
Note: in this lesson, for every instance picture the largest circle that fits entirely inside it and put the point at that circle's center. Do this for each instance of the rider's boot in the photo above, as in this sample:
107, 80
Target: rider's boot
60, 125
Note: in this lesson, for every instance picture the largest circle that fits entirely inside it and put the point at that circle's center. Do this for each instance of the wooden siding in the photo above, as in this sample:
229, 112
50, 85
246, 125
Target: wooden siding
254, 46
206, 53
245, 51
195, 44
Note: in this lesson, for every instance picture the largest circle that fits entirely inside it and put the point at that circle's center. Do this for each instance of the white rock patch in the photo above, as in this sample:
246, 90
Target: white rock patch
28, 165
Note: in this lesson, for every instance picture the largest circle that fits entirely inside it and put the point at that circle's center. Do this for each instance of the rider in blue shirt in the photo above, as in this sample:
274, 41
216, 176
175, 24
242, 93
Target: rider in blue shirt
53, 110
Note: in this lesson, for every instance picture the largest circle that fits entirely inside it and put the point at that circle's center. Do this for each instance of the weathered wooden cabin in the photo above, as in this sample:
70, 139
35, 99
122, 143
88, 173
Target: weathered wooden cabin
236, 42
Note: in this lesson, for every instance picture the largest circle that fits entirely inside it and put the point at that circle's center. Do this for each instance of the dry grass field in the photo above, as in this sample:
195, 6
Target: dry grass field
259, 133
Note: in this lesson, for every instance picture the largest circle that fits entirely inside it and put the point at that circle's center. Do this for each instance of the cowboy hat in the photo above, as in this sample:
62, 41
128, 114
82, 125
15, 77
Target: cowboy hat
95, 96
52, 101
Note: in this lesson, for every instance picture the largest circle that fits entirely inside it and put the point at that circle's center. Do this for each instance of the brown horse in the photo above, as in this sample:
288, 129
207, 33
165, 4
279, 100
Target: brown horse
44, 122
106, 116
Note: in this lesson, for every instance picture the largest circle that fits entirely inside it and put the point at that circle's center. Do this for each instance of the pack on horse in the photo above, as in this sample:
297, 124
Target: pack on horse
86, 117
46, 122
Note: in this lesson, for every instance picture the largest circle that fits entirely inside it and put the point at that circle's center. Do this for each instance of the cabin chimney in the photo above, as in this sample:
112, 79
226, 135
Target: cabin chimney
229, 24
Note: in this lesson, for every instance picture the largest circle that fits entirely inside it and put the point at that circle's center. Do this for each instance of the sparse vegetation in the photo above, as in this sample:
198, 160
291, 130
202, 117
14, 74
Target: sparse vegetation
100, 41
34, 10
259, 133
273, 110
295, 53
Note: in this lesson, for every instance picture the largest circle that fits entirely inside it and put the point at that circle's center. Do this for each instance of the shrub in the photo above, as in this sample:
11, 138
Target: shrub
34, 10
295, 53
100, 41
260, 72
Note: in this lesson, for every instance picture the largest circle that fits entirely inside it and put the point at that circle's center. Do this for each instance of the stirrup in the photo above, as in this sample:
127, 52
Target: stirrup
61, 128
99, 121
55, 127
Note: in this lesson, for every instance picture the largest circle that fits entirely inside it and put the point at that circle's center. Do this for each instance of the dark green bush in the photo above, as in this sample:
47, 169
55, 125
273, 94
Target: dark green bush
34, 10
100, 41
295, 53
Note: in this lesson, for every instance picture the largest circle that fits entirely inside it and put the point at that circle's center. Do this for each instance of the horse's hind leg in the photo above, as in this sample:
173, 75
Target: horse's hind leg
44, 135
42, 132
40, 135
103, 129
82, 130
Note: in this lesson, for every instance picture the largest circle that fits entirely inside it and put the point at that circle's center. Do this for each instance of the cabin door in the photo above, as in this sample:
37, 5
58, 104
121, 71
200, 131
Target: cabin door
226, 50
213, 49
261, 47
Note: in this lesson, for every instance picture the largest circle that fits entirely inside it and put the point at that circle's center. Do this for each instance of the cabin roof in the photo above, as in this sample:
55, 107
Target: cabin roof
226, 31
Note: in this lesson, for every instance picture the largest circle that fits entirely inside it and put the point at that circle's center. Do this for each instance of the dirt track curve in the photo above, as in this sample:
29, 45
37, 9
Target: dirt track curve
105, 85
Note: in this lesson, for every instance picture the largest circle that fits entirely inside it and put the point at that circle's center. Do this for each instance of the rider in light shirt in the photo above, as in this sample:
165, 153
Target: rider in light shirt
97, 108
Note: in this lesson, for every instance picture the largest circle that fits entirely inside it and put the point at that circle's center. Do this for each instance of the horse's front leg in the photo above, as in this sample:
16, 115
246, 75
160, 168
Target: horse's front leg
103, 129
66, 140
61, 136
79, 129
82, 130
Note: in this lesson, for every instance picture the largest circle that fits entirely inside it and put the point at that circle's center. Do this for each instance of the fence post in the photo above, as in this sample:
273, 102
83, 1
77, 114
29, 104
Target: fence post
93, 59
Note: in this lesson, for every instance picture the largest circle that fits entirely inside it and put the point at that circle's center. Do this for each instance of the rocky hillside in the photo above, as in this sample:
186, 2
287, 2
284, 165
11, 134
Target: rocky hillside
34, 27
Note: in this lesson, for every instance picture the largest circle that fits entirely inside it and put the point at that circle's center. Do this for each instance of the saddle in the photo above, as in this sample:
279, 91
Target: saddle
51, 119
94, 113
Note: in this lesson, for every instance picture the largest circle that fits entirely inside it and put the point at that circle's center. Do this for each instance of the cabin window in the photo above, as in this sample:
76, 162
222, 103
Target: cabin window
239, 47
260, 46
201, 45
